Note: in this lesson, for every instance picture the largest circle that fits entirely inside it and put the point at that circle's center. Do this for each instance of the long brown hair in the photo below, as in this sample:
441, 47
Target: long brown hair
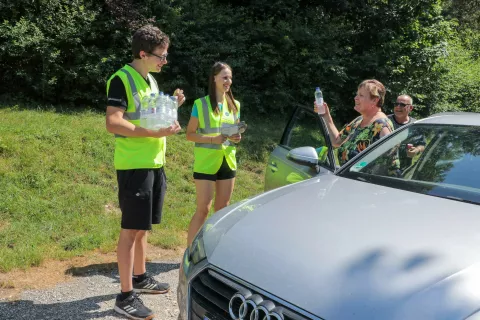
216, 69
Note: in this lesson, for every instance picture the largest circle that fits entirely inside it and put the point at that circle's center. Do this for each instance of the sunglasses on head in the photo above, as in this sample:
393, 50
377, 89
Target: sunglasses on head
400, 104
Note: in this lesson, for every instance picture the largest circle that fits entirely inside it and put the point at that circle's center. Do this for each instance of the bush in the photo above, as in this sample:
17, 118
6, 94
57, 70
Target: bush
63, 51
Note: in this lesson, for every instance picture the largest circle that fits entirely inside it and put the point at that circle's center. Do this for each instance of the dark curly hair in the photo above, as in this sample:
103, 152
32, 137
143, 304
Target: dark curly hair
147, 39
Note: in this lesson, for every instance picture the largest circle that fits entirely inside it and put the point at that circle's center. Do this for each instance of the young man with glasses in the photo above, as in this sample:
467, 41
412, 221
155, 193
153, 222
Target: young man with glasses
400, 117
139, 160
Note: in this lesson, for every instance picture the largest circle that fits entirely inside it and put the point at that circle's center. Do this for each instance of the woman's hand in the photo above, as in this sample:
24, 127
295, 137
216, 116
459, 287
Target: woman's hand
316, 108
219, 139
235, 138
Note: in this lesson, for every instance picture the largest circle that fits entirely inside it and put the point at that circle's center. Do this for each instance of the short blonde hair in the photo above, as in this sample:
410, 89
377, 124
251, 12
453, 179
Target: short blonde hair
376, 90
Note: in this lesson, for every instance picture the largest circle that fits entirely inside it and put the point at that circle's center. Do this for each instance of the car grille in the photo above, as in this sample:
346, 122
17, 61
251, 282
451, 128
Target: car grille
211, 292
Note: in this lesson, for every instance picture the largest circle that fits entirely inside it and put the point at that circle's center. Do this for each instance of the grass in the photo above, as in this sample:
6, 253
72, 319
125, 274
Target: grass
58, 184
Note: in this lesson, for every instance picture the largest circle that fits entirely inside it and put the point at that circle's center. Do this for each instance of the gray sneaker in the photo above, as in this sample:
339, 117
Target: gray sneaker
150, 285
133, 308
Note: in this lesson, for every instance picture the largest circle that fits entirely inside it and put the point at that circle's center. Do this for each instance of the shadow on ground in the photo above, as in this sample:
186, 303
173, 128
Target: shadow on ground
87, 308
111, 270
83, 302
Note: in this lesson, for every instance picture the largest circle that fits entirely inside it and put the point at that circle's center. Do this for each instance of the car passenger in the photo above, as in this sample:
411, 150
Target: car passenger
400, 117
370, 126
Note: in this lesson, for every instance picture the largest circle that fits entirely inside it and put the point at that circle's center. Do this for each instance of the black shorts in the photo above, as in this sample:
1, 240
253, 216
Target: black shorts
141, 193
224, 173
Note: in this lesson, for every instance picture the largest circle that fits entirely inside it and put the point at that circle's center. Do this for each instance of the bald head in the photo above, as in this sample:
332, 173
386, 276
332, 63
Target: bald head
405, 98
403, 106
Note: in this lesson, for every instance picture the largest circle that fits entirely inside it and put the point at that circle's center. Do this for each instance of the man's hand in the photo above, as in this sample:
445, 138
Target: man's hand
235, 138
413, 151
180, 96
165, 132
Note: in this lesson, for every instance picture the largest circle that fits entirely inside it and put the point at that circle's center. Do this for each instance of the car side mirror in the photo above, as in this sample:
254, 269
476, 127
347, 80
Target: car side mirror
306, 156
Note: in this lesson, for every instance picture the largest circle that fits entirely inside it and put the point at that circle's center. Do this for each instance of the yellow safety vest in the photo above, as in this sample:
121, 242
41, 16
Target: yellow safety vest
137, 152
209, 157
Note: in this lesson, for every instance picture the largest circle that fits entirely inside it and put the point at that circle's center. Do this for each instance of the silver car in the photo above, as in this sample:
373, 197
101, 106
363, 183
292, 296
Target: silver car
383, 237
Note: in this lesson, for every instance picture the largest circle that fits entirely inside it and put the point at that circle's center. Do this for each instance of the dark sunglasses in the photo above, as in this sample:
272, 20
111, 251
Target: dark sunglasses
162, 57
400, 104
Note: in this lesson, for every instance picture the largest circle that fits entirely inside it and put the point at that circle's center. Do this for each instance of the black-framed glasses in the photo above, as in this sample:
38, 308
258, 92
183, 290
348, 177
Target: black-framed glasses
163, 57
400, 104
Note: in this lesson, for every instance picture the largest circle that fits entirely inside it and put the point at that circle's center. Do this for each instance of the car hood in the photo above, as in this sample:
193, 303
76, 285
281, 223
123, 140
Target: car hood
345, 249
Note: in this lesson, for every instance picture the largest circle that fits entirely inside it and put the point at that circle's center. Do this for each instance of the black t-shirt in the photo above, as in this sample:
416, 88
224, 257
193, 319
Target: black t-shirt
117, 94
397, 125
418, 140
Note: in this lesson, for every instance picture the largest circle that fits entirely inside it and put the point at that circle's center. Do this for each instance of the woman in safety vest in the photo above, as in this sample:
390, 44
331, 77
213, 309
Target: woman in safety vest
215, 163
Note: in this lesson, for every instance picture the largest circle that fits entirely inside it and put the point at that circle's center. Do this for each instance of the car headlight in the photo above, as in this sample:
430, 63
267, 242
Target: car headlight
197, 250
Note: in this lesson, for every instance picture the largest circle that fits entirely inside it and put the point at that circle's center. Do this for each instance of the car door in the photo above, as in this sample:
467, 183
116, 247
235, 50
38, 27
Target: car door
305, 128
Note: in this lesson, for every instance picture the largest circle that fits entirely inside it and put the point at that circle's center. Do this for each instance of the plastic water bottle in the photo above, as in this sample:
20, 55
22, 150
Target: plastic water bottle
319, 100
174, 109
152, 104
144, 111
160, 111
167, 121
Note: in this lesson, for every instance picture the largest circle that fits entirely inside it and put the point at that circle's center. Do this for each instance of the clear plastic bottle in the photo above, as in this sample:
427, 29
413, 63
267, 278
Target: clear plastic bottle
319, 100
144, 111
152, 104
167, 112
159, 110
174, 109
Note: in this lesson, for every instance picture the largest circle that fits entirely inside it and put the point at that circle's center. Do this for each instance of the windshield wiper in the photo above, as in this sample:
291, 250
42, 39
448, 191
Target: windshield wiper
458, 199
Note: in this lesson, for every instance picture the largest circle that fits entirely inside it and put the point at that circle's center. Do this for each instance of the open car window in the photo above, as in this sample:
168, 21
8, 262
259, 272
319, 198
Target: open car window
306, 130
444, 161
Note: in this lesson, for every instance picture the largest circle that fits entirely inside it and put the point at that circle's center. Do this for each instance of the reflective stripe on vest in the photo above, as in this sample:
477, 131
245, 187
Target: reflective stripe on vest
135, 115
208, 128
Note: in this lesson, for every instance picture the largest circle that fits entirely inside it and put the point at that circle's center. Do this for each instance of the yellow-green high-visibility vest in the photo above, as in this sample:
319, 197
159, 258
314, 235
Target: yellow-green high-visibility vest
209, 157
137, 152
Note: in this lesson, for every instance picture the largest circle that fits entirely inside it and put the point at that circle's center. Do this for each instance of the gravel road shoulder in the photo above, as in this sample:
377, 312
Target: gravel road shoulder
90, 294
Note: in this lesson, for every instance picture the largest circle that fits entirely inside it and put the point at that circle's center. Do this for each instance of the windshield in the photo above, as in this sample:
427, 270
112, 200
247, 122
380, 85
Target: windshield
433, 159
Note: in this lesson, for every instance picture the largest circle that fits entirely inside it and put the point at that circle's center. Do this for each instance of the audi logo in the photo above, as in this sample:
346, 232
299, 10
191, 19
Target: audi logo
248, 306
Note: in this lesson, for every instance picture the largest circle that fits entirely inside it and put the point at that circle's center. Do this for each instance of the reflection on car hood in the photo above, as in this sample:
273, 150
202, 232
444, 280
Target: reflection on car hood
345, 249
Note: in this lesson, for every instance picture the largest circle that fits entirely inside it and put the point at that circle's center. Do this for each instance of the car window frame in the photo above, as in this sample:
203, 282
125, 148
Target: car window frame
332, 167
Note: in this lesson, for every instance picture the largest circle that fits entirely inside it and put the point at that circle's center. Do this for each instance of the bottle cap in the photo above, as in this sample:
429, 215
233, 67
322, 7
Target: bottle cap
317, 88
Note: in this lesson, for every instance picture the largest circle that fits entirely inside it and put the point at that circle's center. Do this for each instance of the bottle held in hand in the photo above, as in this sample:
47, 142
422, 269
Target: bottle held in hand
151, 115
144, 111
174, 112
319, 100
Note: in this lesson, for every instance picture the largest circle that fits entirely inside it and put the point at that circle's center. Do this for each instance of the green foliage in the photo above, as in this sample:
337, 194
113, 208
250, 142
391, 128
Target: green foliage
58, 51
459, 88
62, 51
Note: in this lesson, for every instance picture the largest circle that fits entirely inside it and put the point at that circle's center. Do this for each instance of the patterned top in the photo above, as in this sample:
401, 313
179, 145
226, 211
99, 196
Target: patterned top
356, 139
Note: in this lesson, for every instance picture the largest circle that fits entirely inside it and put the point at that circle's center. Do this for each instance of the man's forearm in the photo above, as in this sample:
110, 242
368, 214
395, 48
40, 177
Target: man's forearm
128, 129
